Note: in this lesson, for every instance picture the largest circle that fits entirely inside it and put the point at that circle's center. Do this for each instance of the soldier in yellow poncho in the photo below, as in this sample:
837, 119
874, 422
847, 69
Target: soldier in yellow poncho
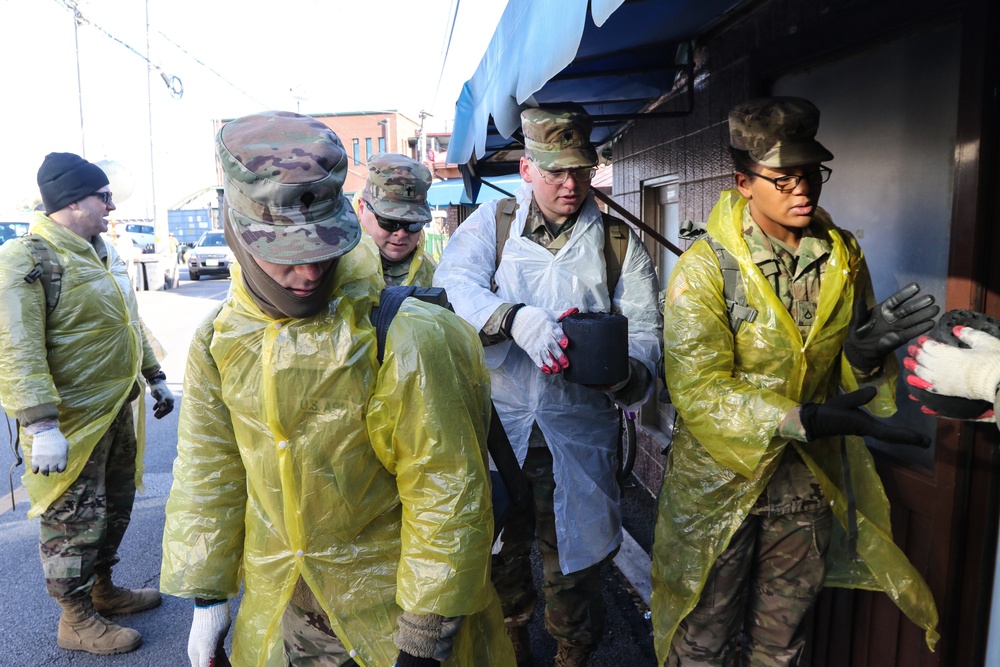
350, 498
393, 211
72, 353
753, 504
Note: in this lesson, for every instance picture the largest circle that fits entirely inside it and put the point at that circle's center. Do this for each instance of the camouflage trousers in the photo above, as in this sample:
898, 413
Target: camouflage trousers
574, 603
751, 609
309, 641
83, 528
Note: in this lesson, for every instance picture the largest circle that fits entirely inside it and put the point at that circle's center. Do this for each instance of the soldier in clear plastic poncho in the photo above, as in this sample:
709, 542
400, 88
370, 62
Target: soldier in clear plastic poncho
753, 502
350, 499
564, 434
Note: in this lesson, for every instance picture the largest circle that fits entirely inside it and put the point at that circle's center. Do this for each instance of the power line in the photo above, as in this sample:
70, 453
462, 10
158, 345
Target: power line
173, 83
447, 48
224, 79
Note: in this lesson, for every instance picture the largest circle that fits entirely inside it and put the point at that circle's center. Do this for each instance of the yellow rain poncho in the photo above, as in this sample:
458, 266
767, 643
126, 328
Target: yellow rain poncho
731, 396
422, 265
86, 356
299, 456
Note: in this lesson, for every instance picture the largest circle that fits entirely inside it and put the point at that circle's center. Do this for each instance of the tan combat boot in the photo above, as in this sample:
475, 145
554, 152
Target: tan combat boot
522, 645
110, 599
568, 655
81, 628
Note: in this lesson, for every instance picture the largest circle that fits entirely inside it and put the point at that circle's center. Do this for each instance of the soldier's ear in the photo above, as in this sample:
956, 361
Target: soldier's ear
526, 170
742, 182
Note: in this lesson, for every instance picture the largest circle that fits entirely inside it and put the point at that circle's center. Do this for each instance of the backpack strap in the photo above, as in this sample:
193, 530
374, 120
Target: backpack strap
47, 269
733, 290
510, 486
615, 241
615, 247
505, 213
390, 301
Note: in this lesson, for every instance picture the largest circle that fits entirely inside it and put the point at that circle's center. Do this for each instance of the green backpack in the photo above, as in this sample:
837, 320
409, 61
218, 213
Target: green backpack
47, 269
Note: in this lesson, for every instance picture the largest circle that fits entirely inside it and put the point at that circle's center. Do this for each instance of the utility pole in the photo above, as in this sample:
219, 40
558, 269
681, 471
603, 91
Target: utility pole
79, 87
149, 108
422, 141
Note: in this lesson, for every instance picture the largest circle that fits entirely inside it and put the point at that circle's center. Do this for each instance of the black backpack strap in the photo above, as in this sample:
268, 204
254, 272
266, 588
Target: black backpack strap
510, 486
47, 269
733, 291
382, 314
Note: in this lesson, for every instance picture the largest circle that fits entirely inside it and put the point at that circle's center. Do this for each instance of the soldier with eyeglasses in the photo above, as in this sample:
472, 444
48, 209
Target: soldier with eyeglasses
766, 460
69, 372
564, 434
393, 211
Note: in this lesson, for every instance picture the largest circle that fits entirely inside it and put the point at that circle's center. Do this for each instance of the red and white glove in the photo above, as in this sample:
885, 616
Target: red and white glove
540, 335
952, 371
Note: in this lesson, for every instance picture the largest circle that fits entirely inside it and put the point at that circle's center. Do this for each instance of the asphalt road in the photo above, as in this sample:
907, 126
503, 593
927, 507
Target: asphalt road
28, 617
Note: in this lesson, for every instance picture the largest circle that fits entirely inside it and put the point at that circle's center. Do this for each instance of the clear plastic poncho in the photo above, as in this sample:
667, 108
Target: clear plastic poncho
580, 424
299, 456
731, 396
86, 356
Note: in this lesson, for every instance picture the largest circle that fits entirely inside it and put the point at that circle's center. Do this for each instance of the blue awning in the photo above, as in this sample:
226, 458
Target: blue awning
615, 60
452, 191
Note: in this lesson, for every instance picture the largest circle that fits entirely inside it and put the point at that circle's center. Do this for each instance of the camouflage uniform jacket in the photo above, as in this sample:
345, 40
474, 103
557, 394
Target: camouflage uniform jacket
732, 393
795, 275
85, 356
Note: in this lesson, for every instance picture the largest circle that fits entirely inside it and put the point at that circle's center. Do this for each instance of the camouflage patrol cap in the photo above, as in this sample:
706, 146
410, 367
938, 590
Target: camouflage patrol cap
397, 187
558, 138
283, 180
778, 132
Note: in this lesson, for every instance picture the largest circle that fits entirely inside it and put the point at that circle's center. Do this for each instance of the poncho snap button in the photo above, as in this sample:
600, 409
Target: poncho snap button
300, 553
282, 444
277, 325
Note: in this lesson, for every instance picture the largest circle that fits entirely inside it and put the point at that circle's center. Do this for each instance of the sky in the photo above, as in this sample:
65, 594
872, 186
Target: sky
85, 88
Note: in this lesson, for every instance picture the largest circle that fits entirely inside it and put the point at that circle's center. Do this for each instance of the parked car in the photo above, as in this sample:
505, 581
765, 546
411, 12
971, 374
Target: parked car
11, 230
143, 236
210, 256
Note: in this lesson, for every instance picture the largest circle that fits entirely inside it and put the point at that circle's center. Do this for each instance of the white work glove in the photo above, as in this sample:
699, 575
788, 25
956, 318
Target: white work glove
164, 399
49, 451
208, 630
540, 335
967, 373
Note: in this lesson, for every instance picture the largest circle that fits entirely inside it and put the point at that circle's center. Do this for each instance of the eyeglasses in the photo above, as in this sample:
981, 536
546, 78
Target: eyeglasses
103, 196
789, 183
393, 226
583, 175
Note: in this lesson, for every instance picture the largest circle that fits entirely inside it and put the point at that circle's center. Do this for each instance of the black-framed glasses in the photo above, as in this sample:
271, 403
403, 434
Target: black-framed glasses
790, 182
104, 197
392, 226
582, 175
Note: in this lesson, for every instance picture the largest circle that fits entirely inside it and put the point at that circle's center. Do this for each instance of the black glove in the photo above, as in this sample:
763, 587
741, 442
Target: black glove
875, 333
842, 415
407, 660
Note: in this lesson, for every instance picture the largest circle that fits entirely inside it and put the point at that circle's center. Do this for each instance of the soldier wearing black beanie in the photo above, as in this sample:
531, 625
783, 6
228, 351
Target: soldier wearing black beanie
65, 178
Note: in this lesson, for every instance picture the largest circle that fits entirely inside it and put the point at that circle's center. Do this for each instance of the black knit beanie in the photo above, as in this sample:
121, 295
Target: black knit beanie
65, 178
